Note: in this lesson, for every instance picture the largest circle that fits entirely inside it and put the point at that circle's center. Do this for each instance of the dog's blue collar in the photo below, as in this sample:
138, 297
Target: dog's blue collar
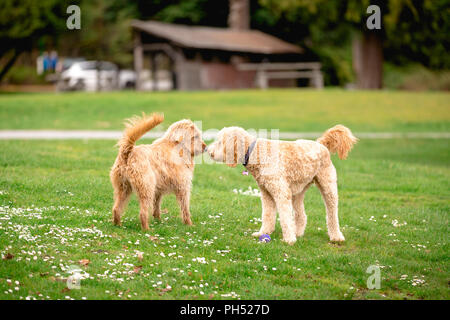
249, 152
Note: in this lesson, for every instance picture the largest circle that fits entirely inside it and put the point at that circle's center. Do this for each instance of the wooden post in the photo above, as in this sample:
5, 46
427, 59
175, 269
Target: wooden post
154, 70
316, 80
173, 73
138, 59
261, 79
179, 62
98, 86
176, 59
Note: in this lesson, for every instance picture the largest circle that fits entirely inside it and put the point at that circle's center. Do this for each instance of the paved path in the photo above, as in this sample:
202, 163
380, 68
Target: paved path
115, 135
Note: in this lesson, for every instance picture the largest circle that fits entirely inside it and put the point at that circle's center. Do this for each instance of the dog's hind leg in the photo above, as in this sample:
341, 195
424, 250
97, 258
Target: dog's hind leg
144, 185
183, 197
269, 214
326, 181
157, 206
300, 215
145, 202
122, 192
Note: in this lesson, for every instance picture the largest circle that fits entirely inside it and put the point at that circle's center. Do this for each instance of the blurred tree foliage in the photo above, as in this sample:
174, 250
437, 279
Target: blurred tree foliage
419, 31
23, 23
412, 30
191, 12
105, 31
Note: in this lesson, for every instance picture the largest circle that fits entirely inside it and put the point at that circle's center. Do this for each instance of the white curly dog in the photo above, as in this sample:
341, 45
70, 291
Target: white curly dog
284, 170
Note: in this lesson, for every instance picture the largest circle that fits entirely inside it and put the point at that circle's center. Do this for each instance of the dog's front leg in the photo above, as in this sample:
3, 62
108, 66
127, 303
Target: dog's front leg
286, 211
269, 211
183, 198
299, 210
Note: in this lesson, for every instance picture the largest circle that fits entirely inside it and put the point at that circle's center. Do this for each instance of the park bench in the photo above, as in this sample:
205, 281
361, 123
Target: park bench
284, 70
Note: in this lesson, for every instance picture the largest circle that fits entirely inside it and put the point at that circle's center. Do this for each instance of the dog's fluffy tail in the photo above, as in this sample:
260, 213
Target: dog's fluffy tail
135, 128
338, 139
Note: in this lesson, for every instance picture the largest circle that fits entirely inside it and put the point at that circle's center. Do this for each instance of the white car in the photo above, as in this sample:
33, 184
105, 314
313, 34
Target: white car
90, 76
127, 79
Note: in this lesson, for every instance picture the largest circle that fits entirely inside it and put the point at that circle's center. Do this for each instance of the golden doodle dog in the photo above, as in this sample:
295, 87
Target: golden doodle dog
284, 170
153, 170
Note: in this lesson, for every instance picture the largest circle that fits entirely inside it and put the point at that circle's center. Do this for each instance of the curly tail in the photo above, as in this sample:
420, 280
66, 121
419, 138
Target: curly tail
338, 139
136, 127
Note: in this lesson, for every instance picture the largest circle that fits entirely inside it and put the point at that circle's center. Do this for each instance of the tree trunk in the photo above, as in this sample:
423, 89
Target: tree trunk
368, 61
10, 63
239, 15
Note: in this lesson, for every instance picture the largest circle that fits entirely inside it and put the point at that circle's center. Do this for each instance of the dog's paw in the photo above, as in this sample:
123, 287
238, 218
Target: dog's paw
157, 216
257, 234
337, 238
290, 241
300, 233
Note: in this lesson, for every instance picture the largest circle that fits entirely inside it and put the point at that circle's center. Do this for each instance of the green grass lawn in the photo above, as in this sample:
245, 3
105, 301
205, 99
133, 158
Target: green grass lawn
56, 198
287, 110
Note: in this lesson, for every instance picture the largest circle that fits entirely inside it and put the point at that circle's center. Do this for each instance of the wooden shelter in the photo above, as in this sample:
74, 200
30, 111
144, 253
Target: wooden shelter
207, 57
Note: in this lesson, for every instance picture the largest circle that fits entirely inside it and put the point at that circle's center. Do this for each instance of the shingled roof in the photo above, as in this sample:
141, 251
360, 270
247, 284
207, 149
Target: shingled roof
216, 38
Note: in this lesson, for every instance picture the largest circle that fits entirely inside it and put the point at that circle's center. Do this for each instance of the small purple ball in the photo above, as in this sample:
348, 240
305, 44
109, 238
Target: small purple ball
264, 238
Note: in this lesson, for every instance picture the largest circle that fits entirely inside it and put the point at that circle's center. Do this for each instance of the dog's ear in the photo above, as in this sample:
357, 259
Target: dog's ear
179, 136
188, 132
234, 151
178, 139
